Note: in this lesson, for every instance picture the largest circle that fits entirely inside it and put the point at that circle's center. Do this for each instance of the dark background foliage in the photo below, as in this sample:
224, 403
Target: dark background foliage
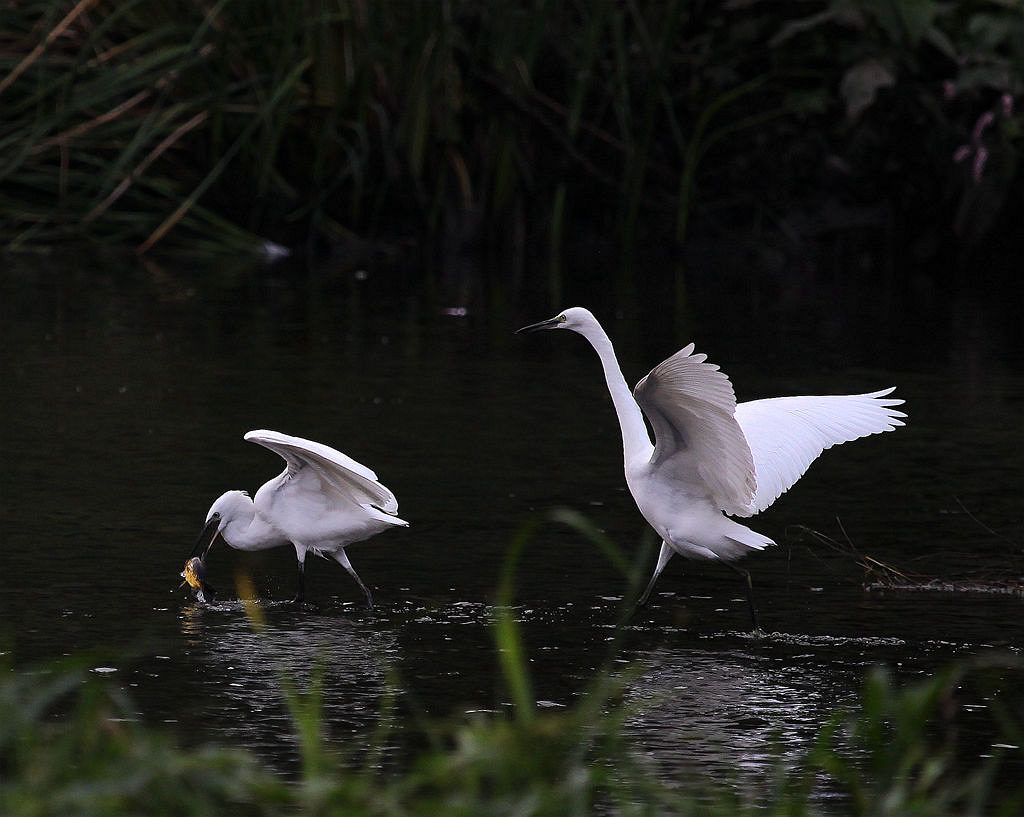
889, 129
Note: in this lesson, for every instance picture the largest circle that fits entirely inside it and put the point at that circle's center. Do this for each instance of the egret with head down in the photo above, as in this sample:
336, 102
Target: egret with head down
711, 456
322, 502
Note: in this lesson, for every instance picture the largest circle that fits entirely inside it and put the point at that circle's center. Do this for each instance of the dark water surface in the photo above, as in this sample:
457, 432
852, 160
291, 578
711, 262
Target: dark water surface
125, 402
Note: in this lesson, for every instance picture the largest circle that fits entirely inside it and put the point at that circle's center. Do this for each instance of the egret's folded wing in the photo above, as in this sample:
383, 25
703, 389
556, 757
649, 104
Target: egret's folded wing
786, 434
691, 405
350, 478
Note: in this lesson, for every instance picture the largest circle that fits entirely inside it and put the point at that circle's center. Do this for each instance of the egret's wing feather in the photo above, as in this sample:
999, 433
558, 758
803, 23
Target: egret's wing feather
348, 478
691, 405
786, 434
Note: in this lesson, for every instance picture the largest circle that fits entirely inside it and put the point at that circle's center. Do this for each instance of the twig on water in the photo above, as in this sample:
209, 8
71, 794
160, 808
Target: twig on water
875, 570
981, 524
879, 575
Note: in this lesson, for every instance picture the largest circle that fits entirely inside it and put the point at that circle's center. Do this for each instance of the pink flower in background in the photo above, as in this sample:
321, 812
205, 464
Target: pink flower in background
980, 157
976, 148
981, 125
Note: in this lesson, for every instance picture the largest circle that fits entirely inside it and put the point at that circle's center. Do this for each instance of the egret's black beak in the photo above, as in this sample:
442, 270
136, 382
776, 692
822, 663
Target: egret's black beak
206, 537
550, 323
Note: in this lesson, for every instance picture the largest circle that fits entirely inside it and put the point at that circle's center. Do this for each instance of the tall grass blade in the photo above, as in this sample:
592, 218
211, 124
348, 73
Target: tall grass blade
507, 635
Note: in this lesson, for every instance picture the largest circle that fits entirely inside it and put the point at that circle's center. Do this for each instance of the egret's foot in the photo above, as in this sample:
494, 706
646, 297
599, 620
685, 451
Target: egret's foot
304, 605
369, 596
626, 617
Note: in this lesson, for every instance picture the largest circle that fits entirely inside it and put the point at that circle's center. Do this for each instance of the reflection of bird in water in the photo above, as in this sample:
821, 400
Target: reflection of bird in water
322, 502
724, 713
712, 456
237, 675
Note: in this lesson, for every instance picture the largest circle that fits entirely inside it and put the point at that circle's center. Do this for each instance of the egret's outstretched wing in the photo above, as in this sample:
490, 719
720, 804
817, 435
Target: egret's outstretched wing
691, 406
343, 474
786, 434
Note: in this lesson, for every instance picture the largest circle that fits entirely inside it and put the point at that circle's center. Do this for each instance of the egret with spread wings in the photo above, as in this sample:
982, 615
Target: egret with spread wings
711, 456
321, 502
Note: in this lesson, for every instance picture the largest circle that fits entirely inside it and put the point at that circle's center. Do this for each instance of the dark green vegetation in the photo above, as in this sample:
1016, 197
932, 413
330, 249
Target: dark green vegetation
511, 125
72, 745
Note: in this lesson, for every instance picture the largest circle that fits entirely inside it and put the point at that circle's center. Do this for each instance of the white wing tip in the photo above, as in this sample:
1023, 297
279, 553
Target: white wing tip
264, 433
878, 395
892, 414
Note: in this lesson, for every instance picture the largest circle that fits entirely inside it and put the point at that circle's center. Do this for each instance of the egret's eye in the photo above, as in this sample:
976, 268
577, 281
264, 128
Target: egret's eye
561, 318
216, 515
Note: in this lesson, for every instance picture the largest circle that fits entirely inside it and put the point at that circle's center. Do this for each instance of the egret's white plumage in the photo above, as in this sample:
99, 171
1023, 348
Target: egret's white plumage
712, 456
321, 502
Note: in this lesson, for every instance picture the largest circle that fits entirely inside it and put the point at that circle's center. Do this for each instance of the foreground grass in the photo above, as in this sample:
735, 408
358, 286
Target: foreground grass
71, 745
893, 754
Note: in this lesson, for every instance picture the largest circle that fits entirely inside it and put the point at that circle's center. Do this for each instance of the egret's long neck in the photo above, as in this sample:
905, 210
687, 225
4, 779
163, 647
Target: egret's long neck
635, 439
245, 530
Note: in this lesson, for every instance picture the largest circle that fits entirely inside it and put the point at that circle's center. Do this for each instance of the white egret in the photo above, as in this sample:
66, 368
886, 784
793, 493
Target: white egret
712, 456
321, 502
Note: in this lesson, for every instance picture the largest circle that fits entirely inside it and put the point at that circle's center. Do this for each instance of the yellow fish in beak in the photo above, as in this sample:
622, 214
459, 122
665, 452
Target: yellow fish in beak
194, 575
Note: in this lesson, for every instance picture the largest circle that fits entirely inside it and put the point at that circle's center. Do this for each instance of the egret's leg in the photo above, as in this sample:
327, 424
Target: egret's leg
748, 585
342, 559
663, 556
300, 554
